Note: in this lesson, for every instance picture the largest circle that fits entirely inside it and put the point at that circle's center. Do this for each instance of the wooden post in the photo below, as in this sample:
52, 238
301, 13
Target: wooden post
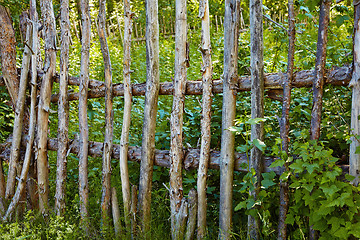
193, 208
63, 110
355, 109
257, 103
83, 122
134, 203
116, 213
109, 116
150, 112
284, 124
124, 142
206, 117
47, 13
176, 122
231, 35
18, 121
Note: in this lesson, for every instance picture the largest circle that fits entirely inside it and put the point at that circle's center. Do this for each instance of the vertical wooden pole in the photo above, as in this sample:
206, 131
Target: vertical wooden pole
284, 124
134, 203
116, 213
257, 102
83, 122
63, 110
193, 208
150, 111
206, 117
176, 121
355, 109
230, 75
109, 116
124, 142
47, 13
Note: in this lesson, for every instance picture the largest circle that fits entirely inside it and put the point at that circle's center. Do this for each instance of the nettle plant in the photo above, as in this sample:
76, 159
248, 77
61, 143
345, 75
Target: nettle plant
321, 195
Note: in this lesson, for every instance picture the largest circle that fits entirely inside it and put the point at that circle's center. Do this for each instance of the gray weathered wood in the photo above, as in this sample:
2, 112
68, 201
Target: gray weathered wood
124, 141
206, 117
115, 213
354, 159
48, 17
63, 110
176, 121
231, 35
257, 103
134, 203
150, 112
193, 208
109, 115
83, 122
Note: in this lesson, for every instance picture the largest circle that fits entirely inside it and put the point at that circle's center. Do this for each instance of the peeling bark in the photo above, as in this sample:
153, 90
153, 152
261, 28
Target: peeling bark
63, 110
257, 104
285, 125
109, 115
176, 122
83, 122
124, 141
206, 117
354, 159
231, 36
150, 112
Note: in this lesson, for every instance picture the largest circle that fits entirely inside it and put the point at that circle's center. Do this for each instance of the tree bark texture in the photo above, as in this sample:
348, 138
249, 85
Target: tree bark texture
319, 69
133, 207
191, 221
48, 17
14, 168
257, 103
285, 125
83, 122
206, 117
150, 112
109, 115
124, 141
116, 213
176, 120
63, 110
231, 36
8, 54
338, 76
354, 159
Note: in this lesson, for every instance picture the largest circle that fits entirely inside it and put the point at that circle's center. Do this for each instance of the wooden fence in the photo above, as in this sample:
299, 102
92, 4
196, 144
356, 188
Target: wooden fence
183, 211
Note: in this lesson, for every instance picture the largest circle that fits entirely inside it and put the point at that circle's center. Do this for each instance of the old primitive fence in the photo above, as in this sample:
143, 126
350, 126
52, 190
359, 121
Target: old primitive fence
30, 133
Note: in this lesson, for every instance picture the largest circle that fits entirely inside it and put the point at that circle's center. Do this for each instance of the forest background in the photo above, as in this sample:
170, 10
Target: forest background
335, 133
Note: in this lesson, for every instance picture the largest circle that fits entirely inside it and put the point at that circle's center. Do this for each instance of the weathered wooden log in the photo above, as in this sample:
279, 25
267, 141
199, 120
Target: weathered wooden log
338, 76
191, 222
231, 37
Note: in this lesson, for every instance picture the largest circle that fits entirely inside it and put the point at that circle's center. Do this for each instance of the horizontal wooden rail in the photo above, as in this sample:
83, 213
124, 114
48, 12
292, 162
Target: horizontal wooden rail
339, 76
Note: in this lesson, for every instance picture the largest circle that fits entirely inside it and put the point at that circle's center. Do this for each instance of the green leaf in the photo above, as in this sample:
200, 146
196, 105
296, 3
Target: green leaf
240, 205
267, 183
254, 121
259, 144
349, 177
277, 163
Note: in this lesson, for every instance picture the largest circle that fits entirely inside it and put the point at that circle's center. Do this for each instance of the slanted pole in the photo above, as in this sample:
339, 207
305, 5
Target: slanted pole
231, 35
176, 123
150, 111
257, 103
63, 110
109, 116
83, 122
354, 159
124, 142
284, 123
206, 117
48, 17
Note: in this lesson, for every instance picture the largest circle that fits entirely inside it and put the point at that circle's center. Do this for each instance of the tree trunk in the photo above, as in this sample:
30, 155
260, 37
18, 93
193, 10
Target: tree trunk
8, 54
231, 35
257, 103
124, 142
83, 122
116, 213
193, 208
63, 111
134, 203
109, 116
206, 117
47, 13
150, 111
176, 120
18, 121
285, 125
354, 159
